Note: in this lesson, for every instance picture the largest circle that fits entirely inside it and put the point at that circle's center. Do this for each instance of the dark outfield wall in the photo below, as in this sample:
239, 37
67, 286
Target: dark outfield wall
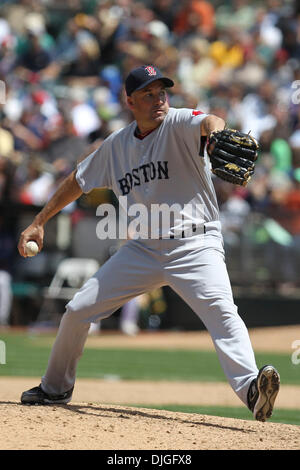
259, 310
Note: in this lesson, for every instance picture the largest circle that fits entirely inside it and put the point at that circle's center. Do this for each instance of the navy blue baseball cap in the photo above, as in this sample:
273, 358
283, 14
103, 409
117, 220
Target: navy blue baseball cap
143, 76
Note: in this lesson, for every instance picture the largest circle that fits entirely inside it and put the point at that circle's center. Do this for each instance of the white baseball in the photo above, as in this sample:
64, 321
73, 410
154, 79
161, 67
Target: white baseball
31, 248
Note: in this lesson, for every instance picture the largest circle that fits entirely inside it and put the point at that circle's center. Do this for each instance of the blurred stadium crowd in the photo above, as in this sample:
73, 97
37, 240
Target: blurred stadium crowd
63, 65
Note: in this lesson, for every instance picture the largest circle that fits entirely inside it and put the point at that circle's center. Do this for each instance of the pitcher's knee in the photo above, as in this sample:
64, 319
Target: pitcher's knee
74, 318
87, 315
222, 308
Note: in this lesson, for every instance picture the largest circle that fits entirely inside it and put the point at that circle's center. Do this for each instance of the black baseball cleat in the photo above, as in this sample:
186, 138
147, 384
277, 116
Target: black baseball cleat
36, 396
262, 393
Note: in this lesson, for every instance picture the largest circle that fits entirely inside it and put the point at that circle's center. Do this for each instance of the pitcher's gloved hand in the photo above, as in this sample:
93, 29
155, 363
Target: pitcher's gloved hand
232, 154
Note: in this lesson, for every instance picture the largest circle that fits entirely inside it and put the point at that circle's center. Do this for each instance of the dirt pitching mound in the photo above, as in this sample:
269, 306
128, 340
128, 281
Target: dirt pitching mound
88, 426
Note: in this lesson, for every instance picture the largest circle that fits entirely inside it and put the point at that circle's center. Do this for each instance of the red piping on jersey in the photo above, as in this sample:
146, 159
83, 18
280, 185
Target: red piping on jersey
196, 113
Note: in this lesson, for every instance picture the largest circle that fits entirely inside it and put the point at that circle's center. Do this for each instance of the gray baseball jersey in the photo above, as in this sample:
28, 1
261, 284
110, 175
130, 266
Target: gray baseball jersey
164, 167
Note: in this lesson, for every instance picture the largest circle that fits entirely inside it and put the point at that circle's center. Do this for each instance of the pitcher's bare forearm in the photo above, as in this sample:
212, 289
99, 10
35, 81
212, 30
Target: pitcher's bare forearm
67, 192
212, 123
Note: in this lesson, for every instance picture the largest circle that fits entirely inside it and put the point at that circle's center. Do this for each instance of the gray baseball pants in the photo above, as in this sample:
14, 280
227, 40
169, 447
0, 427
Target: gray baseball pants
194, 268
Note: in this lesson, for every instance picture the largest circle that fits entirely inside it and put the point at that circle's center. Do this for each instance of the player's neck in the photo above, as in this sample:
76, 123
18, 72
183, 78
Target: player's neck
144, 127
141, 133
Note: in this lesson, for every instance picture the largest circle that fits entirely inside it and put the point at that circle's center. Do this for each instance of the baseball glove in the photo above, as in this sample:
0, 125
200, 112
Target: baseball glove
232, 154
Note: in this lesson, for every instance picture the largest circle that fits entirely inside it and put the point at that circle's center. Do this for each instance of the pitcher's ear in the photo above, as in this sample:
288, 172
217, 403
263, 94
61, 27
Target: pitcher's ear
129, 102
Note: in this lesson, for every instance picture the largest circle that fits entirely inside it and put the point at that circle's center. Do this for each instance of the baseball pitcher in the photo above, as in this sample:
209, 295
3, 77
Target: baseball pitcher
165, 157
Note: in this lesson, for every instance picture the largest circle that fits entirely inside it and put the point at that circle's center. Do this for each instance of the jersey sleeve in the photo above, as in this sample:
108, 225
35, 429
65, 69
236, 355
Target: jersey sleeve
188, 122
93, 171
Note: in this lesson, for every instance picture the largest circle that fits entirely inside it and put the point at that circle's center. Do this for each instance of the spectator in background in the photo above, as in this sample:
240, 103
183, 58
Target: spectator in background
35, 49
63, 140
66, 48
238, 13
28, 131
35, 58
197, 68
38, 183
84, 69
195, 17
83, 114
256, 113
8, 55
165, 11
228, 50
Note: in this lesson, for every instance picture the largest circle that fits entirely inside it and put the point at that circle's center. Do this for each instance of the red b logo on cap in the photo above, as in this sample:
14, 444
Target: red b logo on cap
150, 70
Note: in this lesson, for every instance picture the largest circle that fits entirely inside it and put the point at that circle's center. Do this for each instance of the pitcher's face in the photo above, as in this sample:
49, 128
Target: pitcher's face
149, 105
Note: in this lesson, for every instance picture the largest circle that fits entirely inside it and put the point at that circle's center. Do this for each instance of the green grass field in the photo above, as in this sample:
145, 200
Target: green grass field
28, 356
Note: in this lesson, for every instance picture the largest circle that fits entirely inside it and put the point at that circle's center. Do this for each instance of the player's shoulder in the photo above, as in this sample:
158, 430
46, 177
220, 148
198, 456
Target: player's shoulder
120, 134
121, 131
185, 117
182, 114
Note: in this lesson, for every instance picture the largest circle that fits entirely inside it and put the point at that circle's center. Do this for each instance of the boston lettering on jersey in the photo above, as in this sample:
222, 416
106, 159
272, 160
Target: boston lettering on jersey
144, 174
